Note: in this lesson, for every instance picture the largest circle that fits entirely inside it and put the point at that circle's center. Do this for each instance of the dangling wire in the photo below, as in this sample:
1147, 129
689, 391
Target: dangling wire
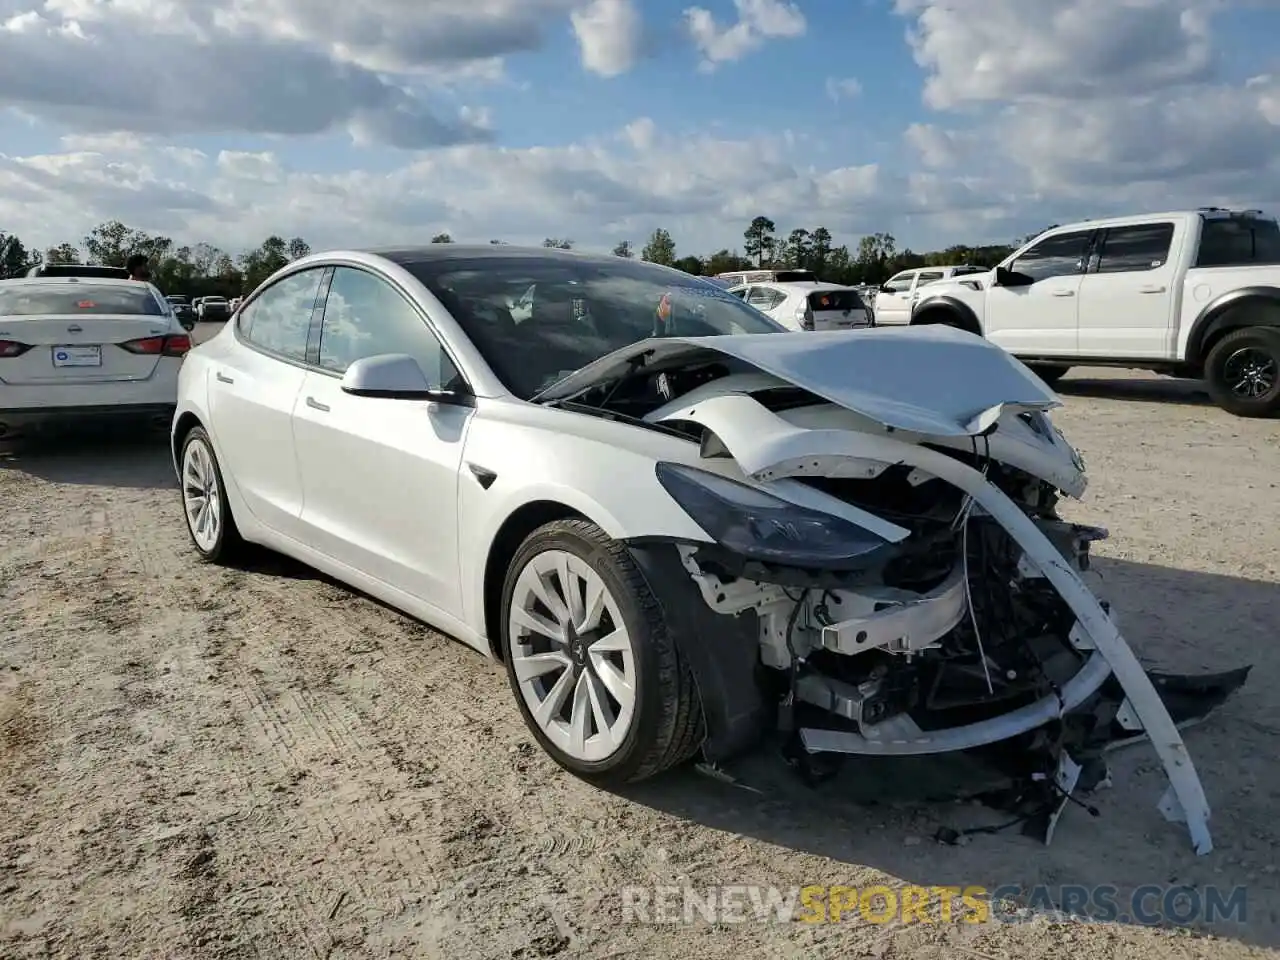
963, 518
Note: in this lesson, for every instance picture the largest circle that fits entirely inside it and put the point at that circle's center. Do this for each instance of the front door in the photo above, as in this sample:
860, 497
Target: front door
1039, 318
380, 476
893, 302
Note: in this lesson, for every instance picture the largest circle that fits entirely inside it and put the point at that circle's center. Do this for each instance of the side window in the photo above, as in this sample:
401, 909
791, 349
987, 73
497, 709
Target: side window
364, 316
279, 318
1059, 256
901, 283
776, 298
740, 294
760, 297
929, 276
1140, 247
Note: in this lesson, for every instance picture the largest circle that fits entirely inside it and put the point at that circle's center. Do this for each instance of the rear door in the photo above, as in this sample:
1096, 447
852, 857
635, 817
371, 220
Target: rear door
252, 389
1127, 296
65, 332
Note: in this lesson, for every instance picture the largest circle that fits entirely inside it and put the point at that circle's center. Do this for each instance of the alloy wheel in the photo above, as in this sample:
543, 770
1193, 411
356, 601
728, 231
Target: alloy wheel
573, 659
201, 497
1250, 372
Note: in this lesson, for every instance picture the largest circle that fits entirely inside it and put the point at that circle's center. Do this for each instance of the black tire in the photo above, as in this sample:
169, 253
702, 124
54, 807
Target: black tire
944, 317
667, 725
228, 547
1224, 371
1050, 373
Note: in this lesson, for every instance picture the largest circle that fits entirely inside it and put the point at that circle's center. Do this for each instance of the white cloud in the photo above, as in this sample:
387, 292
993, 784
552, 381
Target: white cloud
610, 36
758, 22
843, 89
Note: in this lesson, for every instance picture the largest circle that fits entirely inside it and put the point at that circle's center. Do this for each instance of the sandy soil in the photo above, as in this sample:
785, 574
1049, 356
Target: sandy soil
204, 763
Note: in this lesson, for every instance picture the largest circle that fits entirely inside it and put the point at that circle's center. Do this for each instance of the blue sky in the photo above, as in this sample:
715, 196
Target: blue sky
995, 121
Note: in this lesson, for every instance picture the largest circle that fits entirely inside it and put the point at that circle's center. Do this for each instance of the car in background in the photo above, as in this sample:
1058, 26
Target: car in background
898, 294
183, 310
807, 305
79, 347
213, 309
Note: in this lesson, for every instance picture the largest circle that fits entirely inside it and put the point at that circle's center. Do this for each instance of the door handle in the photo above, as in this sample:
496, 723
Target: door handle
1151, 289
223, 378
315, 404
1064, 293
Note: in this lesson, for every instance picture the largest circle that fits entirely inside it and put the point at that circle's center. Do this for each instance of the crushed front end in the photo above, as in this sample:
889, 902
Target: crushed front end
914, 598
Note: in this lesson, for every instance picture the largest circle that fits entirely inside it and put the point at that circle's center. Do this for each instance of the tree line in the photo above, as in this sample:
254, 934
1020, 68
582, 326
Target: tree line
202, 269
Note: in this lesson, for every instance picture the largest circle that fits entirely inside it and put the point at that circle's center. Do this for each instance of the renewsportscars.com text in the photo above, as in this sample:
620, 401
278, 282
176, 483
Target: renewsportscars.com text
1151, 904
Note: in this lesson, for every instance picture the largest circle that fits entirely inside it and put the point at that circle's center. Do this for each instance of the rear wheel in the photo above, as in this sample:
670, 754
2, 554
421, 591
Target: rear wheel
1050, 373
596, 675
204, 502
1242, 372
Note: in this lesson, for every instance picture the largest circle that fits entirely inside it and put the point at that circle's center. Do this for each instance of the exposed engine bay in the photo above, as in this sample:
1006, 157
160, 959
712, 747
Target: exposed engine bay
961, 622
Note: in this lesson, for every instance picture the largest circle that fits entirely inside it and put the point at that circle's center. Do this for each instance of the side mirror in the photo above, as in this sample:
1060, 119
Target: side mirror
397, 376
1004, 277
884, 288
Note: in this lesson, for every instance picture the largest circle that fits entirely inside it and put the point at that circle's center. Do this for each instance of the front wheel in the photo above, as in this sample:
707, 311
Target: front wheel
1242, 372
1050, 373
598, 679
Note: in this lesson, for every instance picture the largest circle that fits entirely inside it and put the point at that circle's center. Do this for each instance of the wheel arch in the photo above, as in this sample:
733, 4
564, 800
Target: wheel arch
942, 309
1256, 306
515, 529
185, 423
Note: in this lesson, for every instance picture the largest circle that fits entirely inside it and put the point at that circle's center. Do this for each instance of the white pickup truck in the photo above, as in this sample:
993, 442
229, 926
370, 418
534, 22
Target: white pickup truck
1189, 294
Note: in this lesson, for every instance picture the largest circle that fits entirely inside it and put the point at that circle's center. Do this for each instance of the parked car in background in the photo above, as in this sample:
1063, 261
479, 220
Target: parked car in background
896, 295
213, 309
1193, 293
77, 347
183, 310
807, 305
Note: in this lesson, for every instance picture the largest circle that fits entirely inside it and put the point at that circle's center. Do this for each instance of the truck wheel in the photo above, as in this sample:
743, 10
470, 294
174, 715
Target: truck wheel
1243, 372
1050, 373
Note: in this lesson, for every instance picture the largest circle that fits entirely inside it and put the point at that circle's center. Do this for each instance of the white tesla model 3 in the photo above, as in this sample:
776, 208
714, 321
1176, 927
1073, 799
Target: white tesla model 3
678, 525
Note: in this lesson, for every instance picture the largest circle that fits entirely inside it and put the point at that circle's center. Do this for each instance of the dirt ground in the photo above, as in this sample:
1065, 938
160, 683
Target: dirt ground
197, 762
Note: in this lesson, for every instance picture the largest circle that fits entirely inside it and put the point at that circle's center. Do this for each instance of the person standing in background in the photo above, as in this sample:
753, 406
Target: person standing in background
138, 268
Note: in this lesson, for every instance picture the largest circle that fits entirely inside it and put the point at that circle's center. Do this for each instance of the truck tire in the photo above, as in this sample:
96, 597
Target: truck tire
1050, 373
1242, 372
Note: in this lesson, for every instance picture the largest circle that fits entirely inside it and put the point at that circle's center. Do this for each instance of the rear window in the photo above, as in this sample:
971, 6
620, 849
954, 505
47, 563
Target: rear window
1239, 241
68, 299
77, 270
795, 276
835, 300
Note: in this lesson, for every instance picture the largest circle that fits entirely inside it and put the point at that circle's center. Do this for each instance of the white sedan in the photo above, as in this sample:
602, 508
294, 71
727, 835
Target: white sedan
73, 348
673, 521
807, 304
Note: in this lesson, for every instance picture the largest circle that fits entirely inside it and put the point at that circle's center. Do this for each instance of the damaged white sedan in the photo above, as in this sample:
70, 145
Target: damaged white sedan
680, 527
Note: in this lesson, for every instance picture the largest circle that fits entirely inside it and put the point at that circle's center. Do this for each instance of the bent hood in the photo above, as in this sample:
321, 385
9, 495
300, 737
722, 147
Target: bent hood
931, 380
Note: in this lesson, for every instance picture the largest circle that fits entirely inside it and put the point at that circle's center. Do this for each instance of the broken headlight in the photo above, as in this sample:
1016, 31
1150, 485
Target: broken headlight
756, 524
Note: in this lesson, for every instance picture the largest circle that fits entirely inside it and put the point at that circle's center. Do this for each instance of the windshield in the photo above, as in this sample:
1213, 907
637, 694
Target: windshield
537, 319
65, 299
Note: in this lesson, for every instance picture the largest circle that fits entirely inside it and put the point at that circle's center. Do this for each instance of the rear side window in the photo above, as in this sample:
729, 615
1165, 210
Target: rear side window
280, 318
1140, 247
929, 276
79, 299
841, 300
1239, 242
